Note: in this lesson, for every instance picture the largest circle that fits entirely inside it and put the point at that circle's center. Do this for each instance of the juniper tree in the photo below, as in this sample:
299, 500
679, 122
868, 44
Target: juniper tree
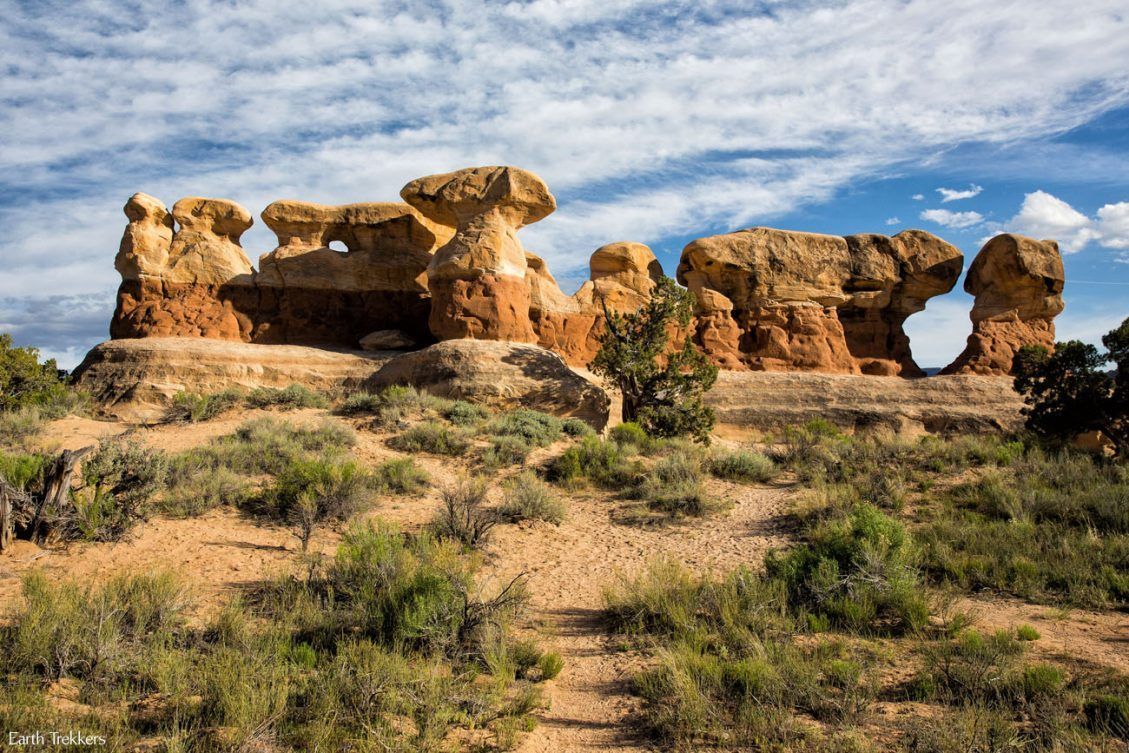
662, 388
1070, 390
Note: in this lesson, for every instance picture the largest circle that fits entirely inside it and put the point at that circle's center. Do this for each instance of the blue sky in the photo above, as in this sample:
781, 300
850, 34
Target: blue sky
651, 121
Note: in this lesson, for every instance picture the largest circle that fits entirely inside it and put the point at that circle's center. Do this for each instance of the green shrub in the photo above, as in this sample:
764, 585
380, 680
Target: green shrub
462, 413
400, 476
432, 437
311, 492
602, 463
68, 630
1108, 714
726, 673
575, 427
1053, 526
857, 571
505, 451
25, 382
267, 445
534, 427
633, 438
744, 466
661, 387
675, 486
193, 407
391, 405
1027, 633
20, 427
550, 665
195, 487
360, 403
972, 668
390, 646
23, 470
288, 398
529, 498
119, 480
463, 516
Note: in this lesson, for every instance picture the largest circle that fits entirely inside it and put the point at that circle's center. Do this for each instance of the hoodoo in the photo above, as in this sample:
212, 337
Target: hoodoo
1018, 285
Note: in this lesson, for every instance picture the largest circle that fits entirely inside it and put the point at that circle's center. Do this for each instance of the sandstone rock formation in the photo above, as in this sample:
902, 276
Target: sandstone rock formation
778, 300
477, 279
311, 293
448, 265
1018, 284
498, 374
135, 380
194, 281
892, 278
621, 277
770, 401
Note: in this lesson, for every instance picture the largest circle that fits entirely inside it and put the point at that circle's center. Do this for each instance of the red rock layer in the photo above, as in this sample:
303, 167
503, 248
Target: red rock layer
492, 307
270, 315
993, 345
786, 338
154, 308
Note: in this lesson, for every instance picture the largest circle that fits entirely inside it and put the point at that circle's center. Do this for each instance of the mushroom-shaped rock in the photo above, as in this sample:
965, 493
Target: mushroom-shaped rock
763, 266
621, 277
1017, 282
477, 279
144, 249
205, 250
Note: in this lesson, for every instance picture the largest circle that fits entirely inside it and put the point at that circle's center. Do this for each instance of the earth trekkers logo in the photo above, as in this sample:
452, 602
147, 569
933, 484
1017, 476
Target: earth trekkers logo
68, 739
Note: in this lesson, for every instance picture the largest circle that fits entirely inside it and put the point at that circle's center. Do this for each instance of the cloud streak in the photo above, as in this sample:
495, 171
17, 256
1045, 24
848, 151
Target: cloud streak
953, 220
954, 194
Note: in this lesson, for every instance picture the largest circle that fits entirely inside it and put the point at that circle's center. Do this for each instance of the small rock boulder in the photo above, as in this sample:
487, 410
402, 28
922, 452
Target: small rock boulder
387, 339
498, 374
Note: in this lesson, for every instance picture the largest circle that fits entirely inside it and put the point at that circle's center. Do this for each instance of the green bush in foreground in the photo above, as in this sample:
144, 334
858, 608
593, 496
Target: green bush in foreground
858, 572
391, 647
400, 476
743, 466
288, 398
535, 428
432, 437
529, 498
194, 408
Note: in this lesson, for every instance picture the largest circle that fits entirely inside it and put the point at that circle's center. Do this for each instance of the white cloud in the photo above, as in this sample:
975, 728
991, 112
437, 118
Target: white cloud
631, 111
954, 220
953, 194
893, 221
1043, 215
1113, 225
918, 197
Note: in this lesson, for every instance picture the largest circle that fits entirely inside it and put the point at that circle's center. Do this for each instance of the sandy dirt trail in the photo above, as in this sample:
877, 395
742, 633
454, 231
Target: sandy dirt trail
570, 566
